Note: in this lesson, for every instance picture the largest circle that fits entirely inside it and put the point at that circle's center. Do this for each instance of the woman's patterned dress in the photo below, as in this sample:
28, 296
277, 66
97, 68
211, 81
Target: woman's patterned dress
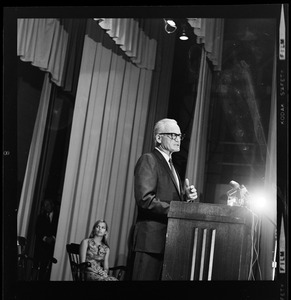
95, 255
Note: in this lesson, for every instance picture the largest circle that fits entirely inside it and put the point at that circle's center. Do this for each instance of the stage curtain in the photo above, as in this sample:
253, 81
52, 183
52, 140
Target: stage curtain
209, 31
137, 38
161, 83
26, 199
197, 148
53, 45
106, 140
43, 43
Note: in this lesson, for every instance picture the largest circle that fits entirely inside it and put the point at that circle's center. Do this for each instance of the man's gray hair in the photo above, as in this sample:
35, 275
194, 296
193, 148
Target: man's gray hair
160, 127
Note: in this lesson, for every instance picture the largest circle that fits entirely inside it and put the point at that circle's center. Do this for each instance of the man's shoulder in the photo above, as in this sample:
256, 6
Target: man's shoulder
152, 159
153, 155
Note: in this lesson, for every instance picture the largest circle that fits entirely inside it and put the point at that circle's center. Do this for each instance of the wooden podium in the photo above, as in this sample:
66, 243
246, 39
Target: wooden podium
208, 242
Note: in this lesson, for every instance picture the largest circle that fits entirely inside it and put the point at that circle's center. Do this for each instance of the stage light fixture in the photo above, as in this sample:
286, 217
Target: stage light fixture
170, 25
183, 35
171, 22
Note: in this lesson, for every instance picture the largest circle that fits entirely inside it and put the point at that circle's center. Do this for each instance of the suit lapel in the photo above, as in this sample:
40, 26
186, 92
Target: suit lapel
164, 163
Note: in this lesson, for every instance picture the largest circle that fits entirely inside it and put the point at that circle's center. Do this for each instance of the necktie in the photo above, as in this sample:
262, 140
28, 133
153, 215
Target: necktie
174, 173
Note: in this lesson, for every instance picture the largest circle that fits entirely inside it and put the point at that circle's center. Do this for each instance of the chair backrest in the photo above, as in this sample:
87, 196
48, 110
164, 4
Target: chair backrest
21, 258
25, 263
74, 258
78, 268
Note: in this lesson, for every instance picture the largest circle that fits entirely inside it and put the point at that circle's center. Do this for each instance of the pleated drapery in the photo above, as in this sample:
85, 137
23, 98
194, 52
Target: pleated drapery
106, 140
53, 45
134, 41
43, 43
198, 142
26, 199
209, 31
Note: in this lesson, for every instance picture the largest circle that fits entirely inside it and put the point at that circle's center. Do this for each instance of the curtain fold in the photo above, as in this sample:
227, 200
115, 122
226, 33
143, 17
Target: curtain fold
209, 32
53, 45
26, 200
132, 39
43, 43
198, 142
106, 139
76, 31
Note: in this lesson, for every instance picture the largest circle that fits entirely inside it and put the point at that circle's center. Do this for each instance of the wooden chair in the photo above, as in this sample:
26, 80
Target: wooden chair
28, 268
26, 265
78, 268
22, 258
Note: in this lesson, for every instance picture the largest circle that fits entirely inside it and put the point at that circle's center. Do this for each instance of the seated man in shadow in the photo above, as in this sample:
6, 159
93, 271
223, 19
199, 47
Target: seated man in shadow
46, 229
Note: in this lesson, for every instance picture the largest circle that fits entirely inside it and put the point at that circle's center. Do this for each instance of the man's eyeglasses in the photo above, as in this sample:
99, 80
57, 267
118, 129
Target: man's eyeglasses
173, 136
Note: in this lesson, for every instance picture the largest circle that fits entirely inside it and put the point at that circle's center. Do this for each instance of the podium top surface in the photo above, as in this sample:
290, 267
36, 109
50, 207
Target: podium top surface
210, 212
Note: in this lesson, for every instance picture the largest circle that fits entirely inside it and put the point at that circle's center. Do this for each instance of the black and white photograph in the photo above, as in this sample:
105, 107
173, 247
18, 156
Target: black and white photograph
145, 145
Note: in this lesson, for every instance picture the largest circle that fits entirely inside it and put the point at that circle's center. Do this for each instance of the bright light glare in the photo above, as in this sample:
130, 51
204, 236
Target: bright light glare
171, 23
183, 37
258, 201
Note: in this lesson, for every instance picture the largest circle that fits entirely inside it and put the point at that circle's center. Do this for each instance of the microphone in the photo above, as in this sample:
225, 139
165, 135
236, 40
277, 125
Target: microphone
238, 193
234, 184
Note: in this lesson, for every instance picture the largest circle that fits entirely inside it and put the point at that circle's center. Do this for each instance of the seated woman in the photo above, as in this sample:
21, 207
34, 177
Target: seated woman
95, 250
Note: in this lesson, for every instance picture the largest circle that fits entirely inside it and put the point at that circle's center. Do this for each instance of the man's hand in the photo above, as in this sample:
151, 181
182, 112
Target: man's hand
191, 192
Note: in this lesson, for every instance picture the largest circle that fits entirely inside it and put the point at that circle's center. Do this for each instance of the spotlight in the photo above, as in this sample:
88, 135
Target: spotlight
183, 35
170, 25
171, 22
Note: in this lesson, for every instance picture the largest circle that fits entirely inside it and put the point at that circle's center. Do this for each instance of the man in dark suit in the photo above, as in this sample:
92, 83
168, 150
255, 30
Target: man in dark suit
46, 229
156, 184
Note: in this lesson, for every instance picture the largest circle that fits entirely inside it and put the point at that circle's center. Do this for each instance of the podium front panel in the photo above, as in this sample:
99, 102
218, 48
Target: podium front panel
207, 242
